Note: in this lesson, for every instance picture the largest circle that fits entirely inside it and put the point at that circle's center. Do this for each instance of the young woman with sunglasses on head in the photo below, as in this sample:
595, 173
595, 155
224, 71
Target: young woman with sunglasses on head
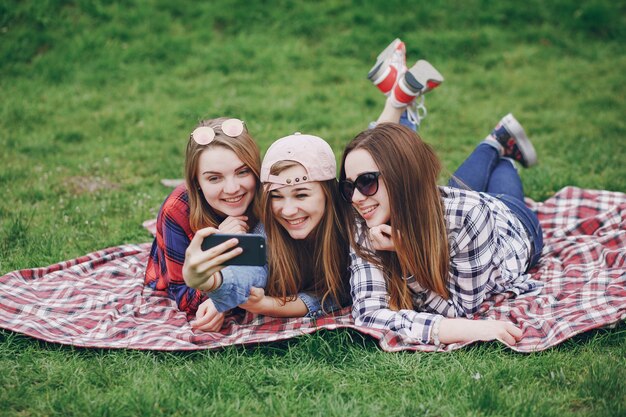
428, 256
222, 164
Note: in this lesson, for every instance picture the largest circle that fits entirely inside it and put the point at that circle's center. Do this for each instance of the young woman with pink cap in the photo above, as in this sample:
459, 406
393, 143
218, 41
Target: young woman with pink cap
307, 240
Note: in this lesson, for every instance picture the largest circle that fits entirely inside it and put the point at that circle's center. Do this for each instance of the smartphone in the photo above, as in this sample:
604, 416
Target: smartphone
253, 248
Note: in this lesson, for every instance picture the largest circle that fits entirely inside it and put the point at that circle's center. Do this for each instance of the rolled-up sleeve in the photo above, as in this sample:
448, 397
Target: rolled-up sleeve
236, 284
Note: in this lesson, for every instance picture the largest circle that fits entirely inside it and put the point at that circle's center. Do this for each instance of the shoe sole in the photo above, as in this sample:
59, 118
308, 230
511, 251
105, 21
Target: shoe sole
422, 77
382, 57
524, 144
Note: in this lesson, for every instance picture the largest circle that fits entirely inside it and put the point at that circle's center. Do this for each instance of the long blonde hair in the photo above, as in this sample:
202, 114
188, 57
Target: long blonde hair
318, 264
409, 168
201, 214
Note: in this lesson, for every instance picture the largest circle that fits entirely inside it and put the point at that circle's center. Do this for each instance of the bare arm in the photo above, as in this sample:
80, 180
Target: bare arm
465, 330
259, 303
390, 114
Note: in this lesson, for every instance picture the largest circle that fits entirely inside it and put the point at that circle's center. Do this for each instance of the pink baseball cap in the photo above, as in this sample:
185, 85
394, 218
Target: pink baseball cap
312, 152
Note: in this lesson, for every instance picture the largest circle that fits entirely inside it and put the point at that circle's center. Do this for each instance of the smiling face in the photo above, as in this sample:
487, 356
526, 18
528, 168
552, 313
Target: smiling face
298, 208
228, 185
374, 209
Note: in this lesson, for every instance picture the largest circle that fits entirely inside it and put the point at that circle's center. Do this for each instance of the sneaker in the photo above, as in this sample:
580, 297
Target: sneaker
410, 89
418, 80
510, 134
390, 65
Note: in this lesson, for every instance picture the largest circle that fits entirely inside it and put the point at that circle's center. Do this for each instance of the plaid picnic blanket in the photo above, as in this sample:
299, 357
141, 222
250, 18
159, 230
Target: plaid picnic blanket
99, 300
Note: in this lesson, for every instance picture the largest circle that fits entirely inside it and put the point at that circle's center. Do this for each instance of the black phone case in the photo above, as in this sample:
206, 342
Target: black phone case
253, 248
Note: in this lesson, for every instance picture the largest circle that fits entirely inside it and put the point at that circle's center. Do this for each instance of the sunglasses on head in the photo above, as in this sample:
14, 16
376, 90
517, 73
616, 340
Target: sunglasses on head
204, 135
366, 183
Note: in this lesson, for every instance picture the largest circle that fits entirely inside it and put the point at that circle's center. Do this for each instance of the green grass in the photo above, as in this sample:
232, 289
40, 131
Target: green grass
330, 373
98, 99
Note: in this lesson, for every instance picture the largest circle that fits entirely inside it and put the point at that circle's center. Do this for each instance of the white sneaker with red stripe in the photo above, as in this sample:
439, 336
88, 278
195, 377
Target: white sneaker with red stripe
418, 80
406, 88
410, 89
389, 67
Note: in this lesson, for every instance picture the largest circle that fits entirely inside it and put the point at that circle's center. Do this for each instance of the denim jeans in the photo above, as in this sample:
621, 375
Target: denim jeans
404, 120
485, 171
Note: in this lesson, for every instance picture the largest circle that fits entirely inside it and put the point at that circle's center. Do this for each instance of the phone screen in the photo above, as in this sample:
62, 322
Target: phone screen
253, 246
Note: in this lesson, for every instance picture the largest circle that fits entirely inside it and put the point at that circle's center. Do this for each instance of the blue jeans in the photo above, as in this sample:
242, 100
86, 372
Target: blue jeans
486, 172
404, 120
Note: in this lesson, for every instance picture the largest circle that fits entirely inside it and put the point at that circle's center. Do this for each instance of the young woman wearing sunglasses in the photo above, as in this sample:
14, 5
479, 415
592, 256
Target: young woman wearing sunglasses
222, 164
428, 256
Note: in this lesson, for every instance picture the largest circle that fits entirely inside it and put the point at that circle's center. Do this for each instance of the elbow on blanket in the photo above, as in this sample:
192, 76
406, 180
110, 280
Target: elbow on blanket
361, 318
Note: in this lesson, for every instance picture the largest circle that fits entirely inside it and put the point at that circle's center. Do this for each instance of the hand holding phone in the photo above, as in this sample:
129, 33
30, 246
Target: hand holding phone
254, 253
201, 268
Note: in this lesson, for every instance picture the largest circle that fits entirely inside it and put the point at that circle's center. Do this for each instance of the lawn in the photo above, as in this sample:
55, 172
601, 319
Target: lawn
98, 99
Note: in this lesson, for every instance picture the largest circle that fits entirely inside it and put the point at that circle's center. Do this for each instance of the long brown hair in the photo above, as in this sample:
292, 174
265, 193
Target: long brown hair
409, 168
318, 264
201, 214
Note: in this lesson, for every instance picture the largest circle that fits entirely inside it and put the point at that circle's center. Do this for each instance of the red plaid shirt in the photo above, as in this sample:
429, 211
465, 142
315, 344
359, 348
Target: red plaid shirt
167, 256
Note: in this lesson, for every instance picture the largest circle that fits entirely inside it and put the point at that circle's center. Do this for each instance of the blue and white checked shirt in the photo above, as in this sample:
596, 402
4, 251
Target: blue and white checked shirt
489, 254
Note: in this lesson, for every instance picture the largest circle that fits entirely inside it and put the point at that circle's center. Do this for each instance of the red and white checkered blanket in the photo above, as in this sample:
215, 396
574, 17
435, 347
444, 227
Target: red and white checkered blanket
98, 300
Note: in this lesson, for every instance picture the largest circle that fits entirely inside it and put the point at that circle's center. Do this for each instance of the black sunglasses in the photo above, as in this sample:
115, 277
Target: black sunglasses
366, 183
